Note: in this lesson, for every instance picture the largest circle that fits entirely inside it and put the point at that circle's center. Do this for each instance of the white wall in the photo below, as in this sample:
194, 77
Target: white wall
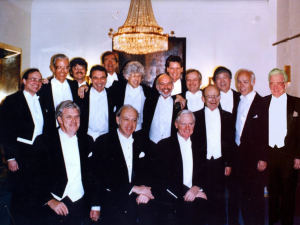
234, 34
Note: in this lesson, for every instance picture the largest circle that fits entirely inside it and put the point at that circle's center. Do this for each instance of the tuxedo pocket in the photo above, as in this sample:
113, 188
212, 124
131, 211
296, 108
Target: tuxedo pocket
255, 117
142, 154
91, 153
115, 109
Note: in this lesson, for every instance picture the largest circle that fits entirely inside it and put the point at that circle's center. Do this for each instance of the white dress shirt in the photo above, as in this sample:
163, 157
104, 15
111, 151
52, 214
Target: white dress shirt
126, 144
187, 160
136, 98
111, 79
162, 119
226, 100
37, 117
177, 88
98, 113
213, 133
242, 112
194, 101
74, 189
277, 121
83, 83
61, 91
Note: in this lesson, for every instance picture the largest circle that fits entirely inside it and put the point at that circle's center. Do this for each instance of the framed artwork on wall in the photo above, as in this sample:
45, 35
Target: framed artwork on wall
154, 63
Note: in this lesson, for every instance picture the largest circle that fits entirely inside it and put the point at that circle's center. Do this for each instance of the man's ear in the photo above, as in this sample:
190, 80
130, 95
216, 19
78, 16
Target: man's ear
203, 99
118, 120
59, 119
176, 124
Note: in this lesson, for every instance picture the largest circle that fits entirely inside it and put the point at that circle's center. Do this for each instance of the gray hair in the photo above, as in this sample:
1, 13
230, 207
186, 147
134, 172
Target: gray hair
59, 56
185, 112
118, 114
278, 71
65, 105
193, 70
133, 67
249, 71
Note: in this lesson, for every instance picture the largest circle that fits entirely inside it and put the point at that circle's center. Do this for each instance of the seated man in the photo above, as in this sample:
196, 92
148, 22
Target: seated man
178, 176
120, 172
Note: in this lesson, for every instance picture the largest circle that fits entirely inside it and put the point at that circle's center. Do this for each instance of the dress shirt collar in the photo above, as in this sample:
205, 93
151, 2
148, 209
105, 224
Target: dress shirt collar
57, 82
198, 94
208, 111
248, 97
29, 96
168, 99
123, 139
281, 98
132, 90
112, 77
83, 83
96, 93
181, 140
224, 95
64, 136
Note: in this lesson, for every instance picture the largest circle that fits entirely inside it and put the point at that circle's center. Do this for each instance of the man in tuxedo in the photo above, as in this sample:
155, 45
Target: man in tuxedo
97, 108
251, 140
78, 70
160, 111
22, 123
67, 191
120, 170
214, 138
57, 90
178, 176
194, 94
284, 149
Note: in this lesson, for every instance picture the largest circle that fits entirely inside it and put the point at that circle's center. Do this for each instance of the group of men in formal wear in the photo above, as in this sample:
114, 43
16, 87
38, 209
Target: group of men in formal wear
116, 151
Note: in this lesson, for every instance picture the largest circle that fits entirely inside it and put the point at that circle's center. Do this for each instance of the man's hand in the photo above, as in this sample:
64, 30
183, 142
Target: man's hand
142, 199
13, 165
58, 207
182, 101
297, 164
191, 194
227, 171
45, 81
81, 90
261, 165
94, 215
201, 194
143, 190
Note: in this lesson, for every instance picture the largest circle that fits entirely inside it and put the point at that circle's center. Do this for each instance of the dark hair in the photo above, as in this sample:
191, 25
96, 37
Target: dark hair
108, 53
97, 67
221, 69
26, 74
174, 58
77, 61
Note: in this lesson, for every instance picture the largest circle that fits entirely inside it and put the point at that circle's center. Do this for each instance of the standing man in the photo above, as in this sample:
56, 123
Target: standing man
78, 70
251, 140
160, 111
120, 170
284, 149
57, 90
67, 191
214, 137
194, 94
22, 124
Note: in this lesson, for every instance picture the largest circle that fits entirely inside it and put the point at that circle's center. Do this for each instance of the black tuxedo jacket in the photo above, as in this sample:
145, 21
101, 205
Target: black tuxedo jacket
84, 105
110, 169
254, 144
236, 100
292, 140
167, 168
56, 176
46, 96
16, 122
199, 136
148, 114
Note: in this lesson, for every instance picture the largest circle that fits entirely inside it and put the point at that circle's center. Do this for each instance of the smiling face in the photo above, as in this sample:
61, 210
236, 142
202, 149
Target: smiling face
277, 85
211, 97
61, 69
244, 83
185, 126
110, 63
33, 83
98, 80
164, 85
223, 82
174, 70
69, 121
193, 82
134, 79
127, 121
79, 73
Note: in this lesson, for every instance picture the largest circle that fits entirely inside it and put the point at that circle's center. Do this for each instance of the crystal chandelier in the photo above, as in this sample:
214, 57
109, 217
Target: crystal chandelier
140, 33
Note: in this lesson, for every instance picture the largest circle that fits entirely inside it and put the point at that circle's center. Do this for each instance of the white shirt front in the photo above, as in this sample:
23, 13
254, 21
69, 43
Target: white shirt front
61, 91
277, 121
226, 100
187, 160
177, 88
242, 112
213, 133
83, 83
194, 101
126, 144
74, 189
111, 79
98, 113
162, 119
136, 98
37, 117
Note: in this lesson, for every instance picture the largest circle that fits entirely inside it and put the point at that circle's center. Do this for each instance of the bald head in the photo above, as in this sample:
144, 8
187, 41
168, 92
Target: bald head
211, 97
164, 85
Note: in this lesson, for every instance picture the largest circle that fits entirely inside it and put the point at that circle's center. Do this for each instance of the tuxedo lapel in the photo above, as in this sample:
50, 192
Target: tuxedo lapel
290, 110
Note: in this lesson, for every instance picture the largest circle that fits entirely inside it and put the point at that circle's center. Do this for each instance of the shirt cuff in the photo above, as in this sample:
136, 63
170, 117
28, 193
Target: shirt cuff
96, 208
130, 191
11, 159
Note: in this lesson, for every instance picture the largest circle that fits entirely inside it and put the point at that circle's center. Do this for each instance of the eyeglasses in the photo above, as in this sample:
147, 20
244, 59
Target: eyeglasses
35, 80
79, 68
210, 97
62, 67
135, 75
272, 84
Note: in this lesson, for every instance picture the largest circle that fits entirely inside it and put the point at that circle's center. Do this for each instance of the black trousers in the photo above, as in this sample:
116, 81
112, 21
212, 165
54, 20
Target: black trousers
282, 186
